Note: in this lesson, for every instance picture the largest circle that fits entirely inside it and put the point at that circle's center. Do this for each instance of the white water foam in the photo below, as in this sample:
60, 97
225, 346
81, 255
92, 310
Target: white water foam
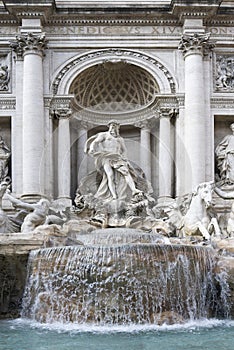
134, 328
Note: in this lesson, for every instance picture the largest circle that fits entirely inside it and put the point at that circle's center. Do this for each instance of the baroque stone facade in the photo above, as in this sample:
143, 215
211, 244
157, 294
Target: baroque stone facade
163, 71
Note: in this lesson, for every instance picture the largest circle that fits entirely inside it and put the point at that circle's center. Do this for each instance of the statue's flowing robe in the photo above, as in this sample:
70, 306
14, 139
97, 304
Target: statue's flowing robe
225, 158
96, 183
120, 167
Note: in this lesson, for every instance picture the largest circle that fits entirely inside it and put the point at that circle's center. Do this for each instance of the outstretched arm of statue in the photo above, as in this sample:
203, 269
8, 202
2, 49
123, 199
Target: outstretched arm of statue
92, 143
18, 203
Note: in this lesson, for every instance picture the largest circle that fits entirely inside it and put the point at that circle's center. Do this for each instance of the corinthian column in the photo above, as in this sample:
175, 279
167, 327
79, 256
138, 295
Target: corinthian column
64, 154
16, 128
165, 155
193, 47
33, 114
82, 136
145, 150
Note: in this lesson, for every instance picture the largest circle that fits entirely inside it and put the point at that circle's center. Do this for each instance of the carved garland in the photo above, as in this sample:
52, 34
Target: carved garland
116, 52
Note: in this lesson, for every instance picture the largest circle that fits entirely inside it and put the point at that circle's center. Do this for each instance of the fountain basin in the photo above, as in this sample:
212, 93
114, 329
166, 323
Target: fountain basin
123, 277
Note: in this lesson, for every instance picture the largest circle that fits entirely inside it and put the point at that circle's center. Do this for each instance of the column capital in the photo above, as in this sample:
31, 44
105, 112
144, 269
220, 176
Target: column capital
29, 43
166, 112
146, 124
61, 113
60, 107
195, 43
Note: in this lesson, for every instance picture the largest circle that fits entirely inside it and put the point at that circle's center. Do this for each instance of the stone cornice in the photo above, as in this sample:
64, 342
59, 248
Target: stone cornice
34, 9
128, 119
57, 20
116, 12
195, 9
77, 20
163, 102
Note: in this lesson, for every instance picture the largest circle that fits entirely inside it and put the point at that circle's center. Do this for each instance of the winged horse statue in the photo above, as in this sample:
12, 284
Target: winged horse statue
195, 218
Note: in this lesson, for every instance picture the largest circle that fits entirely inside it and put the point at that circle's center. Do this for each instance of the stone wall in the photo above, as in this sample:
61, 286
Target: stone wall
12, 281
14, 252
227, 264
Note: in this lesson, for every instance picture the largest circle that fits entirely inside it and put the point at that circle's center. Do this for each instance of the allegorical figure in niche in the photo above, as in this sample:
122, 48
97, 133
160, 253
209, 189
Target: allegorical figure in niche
118, 175
4, 157
225, 158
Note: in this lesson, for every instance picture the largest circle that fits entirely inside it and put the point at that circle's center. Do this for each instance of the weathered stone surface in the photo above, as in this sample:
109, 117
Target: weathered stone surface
12, 282
20, 243
227, 264
224, 245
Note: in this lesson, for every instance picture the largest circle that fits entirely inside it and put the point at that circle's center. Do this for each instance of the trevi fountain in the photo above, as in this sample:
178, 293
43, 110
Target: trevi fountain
116, 175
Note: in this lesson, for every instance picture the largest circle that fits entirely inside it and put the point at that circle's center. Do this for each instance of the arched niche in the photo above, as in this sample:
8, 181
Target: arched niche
64, 76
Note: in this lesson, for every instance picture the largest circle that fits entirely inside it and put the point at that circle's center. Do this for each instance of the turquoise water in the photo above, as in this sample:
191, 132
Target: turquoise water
204, 335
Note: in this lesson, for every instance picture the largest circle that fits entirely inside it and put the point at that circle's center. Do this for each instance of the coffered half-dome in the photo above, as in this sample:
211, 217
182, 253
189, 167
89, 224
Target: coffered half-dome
114, 87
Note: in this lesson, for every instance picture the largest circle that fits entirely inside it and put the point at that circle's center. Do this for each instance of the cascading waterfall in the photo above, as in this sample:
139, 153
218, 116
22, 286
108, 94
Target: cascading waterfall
123, 284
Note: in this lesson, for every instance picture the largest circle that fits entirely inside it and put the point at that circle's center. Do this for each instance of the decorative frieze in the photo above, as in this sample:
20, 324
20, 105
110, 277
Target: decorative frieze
222, 103
169, 102
123, 119
195, 43
7, 104
29, 42
115, 29
224, 73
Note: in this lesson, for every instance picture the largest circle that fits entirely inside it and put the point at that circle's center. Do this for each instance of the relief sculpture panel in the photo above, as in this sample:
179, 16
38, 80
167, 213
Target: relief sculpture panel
224, 79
